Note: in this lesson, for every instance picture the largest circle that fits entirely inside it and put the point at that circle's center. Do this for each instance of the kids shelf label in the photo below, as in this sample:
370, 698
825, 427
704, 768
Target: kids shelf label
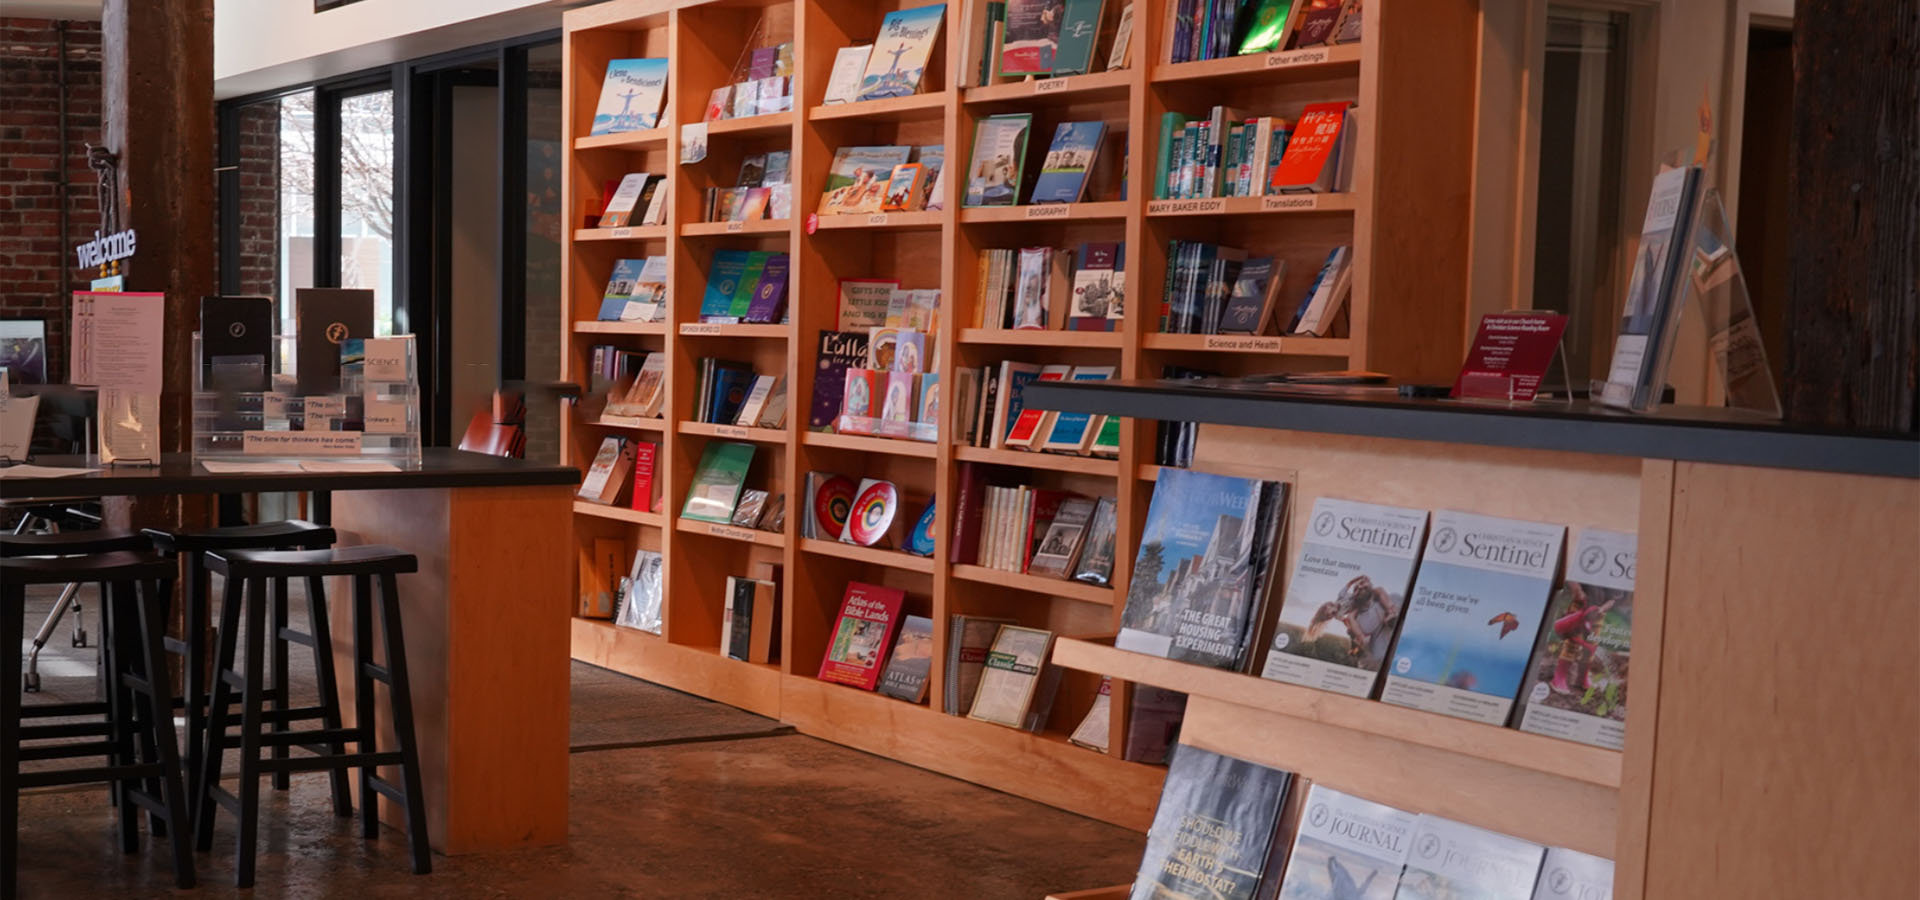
1049, 85
1186, 207
1305, 57
1049, 211
877, 219
1281, 202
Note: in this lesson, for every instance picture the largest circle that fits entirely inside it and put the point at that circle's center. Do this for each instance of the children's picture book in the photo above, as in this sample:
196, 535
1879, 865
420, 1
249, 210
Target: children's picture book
1578, 689
999, 156
1349, 589
865, 390
849, 63
1214, 829
857, 180
1449, 860
903, 189
630, 96
717, 482
857, 647
1477, 605
616, 304
1063, 173
1572, 875
1347, 848
838, 352
1010, 686
1032, 36
1195, 590
900, 52
905, 677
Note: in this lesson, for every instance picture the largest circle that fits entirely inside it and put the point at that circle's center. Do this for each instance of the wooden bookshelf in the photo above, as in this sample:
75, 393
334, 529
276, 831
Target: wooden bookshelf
619, 514
1404, 312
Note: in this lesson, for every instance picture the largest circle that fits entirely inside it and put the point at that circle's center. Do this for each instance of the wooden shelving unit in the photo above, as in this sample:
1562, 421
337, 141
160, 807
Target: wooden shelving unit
1401, 317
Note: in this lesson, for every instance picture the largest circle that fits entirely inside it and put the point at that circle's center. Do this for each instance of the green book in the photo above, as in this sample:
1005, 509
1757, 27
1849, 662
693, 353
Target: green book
1269, 25
1079, 31
749, 279
1107, 439
718, 481
1171, 125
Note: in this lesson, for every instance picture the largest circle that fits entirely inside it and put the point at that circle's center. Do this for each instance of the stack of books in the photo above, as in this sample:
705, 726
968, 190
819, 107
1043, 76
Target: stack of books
764, 190
1213, 29
746, 286
889, 178
1050, 288
762, 84
992, 414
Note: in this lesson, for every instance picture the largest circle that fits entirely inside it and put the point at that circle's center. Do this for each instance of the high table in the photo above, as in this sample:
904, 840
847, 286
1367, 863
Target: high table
485, 617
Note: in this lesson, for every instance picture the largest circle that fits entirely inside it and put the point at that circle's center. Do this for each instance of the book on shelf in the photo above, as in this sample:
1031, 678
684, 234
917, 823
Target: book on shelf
1154, 715
621, 203
1008, 406
1106, 437
995, 172
1030, 424
1349, 588
1266, 26
648, 393
601, 562
901, 51
607, 476
829, 502
1249, 308
843, 82
1218, 824
857, 646
859, 401
1578, 686
1073, 432
1450, 859
968, 640
768, 303
1200, 581
1079, 32
1014, 519
1017, 683
747, 512
865, 302
874, 517
905, 192
910, 664
1095, 728
1478, 600
750, 625
857, 178
630, 96
1120, 53
839, 352
1030, 38
724, 277
654, 202
1347, 848
718, 481
1041, 295
1098, 299
641, 594
1095, 565
646, 481
774, 518
1070, 156
719, 104
1651, 316
722, 390
920, 541
618, 302
1313, 156
1572, 875
1327, 295
1063, 539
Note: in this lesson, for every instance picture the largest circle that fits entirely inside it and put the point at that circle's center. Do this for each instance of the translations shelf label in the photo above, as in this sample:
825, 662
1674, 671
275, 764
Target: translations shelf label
1279, 202
1245, 343
1049, 211
1306, 57
1186, 207
301, 443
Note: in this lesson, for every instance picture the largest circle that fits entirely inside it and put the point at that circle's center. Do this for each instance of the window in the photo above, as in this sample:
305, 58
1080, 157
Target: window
366, 199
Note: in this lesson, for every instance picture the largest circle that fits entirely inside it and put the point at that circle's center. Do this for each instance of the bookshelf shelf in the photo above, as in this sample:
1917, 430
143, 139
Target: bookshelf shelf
725, 330
623, 233
1056, 462
768, 124
1310, 64
923, 220
1098, 211
619, 514
1150, 472
734, 432
865, 444
730, 532
1040, 337
619, 328
1248, 343
893, 559
1050, 91
634, 423
697, 670
750, 226
1117, 892
1052, 587
646, 139
1271, 204
892, 109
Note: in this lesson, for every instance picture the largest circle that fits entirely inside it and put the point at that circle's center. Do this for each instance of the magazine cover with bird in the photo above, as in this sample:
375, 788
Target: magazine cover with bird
1348, 590
1347, 848
1451, 861
1578, 687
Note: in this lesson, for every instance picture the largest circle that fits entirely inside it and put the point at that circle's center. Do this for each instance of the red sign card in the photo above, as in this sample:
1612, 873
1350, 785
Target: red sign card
1510, 355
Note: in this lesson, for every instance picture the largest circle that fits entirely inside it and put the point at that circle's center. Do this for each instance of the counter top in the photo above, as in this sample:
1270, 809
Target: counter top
1690, 434
180, 473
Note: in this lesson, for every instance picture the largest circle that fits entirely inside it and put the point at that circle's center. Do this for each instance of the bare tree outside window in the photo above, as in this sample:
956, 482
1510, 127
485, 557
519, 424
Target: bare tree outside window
365, 170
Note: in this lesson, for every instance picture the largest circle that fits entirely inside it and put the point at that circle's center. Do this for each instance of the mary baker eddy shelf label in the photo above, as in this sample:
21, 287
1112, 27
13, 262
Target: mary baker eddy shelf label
1348, 591
1476, 608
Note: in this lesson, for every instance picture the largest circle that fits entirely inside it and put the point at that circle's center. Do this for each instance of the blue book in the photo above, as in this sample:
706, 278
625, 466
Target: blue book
1063, 174
723, 280
620, 287
1477, 605
1072, 431
900, 52
631, 95
731, 384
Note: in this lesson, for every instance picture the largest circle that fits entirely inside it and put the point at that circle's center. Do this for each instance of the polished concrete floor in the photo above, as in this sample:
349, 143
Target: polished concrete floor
683, 798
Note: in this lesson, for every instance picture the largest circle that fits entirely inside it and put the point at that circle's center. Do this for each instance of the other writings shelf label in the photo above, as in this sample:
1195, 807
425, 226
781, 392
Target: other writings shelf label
1307, 57
728, 531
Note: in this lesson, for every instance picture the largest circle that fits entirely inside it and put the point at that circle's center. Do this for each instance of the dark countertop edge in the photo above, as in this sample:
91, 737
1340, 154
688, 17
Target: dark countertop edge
1725, 442
440, 469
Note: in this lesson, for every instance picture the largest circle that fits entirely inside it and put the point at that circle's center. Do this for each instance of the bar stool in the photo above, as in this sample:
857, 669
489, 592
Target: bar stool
143, 762
293, 534
248, 574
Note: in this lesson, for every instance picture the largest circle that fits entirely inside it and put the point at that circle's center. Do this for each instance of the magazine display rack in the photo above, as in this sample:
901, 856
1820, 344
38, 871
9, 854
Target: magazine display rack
380, 396
1406, 315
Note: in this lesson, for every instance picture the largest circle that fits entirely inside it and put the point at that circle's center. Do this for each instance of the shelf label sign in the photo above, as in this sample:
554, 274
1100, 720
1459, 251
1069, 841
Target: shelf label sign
1280, 202
729, 431
700, 328
734, 227
1049, 211
1186, 207
622, 233
1305, 57
877, 219
728, 531
1510, 356
1243, 343
1049, 85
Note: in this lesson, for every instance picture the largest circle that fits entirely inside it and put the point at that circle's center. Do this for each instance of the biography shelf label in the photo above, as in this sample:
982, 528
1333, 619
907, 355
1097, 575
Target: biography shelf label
1049, 211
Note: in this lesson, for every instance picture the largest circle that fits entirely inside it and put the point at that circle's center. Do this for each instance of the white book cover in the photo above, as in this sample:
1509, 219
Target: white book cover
1347, 848
1451, 860
901, 51
619, 209
1320, 311
656, 213
1572, 875
1653, 288
1578, 687
1348, 591
648, 302
1477, 605
749, 412
848, 65
630, 96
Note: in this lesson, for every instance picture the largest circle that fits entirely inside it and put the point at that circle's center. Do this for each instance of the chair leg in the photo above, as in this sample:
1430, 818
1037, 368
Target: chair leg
322, 631
153, 657
219, 703
13, 602
277, 656
194, 669
363, 717
401, 692
250, 731
118, 600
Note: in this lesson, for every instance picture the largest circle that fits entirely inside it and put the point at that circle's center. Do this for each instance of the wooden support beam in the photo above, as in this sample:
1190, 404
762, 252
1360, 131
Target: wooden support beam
1853, 319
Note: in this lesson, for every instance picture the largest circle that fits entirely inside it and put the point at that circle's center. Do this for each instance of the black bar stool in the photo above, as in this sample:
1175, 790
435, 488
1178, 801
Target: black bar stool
142, 760
248, 574
293, 534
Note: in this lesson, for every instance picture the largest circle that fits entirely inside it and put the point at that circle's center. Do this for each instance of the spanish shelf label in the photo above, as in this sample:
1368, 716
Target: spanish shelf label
301, 443
1305, 57
700, 328
1048, 211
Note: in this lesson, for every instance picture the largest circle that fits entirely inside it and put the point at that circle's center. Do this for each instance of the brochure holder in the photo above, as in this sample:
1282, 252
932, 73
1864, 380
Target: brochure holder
1716, 289
372, 411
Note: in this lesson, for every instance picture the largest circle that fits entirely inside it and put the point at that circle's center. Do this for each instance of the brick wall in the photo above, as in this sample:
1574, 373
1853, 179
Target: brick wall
34, 157
259, 198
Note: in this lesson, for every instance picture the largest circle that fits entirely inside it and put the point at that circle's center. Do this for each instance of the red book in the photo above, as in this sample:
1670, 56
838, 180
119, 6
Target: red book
857, 648
643, 484
1046, 504
971, 491
1307, 164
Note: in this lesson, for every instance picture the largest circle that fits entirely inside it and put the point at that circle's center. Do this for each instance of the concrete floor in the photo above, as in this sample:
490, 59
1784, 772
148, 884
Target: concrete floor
718, 814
